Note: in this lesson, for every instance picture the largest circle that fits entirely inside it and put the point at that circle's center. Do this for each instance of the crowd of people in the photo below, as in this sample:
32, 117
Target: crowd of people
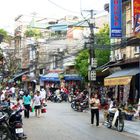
35, 100
19, 98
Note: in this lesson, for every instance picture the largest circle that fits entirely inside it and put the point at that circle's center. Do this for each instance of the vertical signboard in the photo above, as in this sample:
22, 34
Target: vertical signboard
136, 9
115, 18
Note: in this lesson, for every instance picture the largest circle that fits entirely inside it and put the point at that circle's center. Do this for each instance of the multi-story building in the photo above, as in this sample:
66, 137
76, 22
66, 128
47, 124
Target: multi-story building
124, 59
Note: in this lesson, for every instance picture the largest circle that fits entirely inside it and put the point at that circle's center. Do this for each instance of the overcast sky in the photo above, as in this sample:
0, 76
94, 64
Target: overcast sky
44, 8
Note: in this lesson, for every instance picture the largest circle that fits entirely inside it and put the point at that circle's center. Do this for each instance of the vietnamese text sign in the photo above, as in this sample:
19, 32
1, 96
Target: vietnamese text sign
116, 18
136, 4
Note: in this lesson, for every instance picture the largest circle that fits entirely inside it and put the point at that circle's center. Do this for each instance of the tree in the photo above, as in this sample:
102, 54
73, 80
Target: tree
33, 33
3, 35
102, 38
81, 63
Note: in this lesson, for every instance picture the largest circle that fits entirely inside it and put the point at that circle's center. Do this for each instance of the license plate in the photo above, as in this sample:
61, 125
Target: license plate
19, 130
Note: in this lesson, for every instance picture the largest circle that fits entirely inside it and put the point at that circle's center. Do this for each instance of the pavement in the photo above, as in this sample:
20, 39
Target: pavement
132, 127
62, 123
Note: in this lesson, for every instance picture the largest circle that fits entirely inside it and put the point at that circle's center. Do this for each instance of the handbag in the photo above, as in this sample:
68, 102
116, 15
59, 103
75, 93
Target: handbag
43, 110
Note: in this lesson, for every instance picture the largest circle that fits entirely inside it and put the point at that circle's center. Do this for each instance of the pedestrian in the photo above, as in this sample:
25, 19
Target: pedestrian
26, 102
13, 91
37, 104
94, 103
43, 95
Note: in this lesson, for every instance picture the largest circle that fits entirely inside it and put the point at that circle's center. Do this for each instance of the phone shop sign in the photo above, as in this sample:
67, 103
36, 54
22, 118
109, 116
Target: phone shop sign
115, 18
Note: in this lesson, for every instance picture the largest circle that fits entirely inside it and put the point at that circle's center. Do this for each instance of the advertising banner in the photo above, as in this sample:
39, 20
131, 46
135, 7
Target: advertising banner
136, 8
115, 18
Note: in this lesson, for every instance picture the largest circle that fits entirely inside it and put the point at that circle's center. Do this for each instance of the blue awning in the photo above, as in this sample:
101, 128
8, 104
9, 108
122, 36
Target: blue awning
72, 77
50, 77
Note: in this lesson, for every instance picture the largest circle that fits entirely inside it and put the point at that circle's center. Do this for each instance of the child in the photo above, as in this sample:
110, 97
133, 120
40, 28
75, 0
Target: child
37, 102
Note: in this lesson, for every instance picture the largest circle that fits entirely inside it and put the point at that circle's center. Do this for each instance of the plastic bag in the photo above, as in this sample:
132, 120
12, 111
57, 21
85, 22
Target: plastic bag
31, 109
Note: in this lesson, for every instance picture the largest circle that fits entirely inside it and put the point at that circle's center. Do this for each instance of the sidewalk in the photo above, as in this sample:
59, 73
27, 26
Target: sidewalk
129, 126
132, 127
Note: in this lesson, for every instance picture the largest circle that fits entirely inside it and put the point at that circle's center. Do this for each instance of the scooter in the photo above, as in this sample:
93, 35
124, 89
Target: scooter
4, 131
115, 118
14, 124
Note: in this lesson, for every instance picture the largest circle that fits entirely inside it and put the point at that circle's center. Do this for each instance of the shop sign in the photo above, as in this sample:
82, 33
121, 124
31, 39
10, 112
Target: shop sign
136, 8
117, 81
115, 18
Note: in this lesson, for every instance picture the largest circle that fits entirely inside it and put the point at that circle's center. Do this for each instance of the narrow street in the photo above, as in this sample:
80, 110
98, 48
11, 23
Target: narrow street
62, 123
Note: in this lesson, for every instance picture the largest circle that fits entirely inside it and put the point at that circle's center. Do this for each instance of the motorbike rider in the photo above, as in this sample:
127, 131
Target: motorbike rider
112, 106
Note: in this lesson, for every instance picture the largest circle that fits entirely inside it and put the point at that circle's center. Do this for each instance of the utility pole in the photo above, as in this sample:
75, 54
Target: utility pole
93, 61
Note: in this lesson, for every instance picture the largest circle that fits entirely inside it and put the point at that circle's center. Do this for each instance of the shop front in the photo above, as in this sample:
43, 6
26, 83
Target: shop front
73, 82
124, 83
50, 80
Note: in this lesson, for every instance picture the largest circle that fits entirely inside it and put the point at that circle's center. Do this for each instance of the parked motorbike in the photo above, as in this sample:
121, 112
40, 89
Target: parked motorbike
4, 131
14, 123
115, 118
78, 105
71, 96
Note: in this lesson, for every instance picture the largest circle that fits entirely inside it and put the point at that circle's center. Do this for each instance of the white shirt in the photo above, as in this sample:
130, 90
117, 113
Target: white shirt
37, 100
43, 94
13, 89
2, 97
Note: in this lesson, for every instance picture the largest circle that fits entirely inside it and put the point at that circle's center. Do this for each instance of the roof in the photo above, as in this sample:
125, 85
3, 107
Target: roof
125, 72
20, 74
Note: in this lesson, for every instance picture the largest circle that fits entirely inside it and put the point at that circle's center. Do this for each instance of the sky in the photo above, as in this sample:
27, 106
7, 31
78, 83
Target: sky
10, 9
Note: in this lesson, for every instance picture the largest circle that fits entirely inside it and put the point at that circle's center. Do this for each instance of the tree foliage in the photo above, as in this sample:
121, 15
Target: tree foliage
102, 38
81, 63
3, 35
102, 55
33, 33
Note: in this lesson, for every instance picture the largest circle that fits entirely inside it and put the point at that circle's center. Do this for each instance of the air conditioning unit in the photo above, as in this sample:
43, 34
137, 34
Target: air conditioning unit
137, 50
119, 56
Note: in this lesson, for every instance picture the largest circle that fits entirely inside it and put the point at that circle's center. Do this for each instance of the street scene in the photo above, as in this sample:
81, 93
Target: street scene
62, 123
70, 70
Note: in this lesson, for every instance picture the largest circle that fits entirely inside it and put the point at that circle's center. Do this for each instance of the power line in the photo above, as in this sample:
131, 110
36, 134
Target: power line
57, 5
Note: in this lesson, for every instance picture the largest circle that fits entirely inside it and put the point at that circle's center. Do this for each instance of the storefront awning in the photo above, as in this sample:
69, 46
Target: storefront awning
122, 77
20, 74
72, 77
50, 77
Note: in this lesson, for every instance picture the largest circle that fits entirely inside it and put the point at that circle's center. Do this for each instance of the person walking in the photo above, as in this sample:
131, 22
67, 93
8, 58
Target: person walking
13, 91
26, 102
94, 103
37, 104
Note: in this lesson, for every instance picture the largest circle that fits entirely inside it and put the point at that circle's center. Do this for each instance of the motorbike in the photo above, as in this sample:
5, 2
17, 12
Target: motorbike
78, 105
115, 118
4, 131
71, 96
14, 123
